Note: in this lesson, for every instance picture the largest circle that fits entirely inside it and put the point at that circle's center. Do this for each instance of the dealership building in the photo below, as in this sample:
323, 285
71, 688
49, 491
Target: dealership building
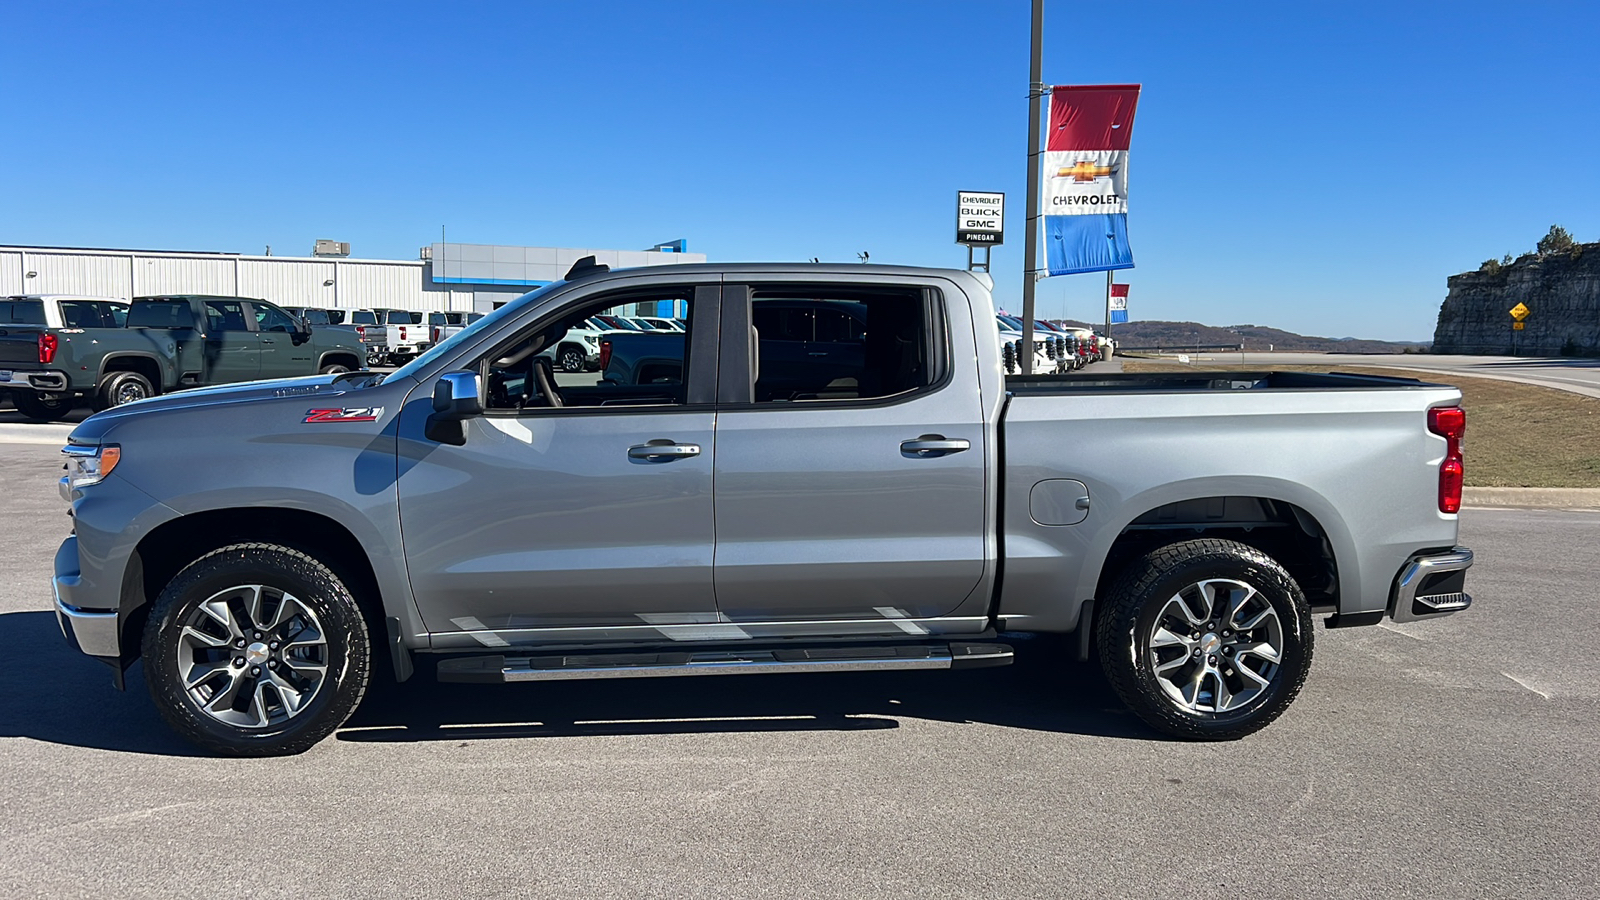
472, 277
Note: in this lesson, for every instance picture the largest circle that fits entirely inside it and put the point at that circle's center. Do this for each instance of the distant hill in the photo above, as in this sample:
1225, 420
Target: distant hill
1253, 337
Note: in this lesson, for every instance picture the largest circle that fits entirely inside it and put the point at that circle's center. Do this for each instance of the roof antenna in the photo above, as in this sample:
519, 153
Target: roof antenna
586, 267
863, 256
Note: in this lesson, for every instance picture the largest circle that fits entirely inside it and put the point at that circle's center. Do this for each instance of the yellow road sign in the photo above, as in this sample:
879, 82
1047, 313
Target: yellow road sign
1517, 326
1519, 312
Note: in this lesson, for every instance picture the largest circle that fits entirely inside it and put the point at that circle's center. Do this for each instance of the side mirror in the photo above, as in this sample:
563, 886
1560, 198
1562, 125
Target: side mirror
456, 398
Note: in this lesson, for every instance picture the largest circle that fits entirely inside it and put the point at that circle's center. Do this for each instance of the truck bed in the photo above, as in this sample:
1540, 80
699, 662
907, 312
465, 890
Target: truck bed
1182, 382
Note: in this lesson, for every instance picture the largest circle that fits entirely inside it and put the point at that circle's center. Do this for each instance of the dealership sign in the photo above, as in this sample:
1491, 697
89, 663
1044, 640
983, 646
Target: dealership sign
980, 218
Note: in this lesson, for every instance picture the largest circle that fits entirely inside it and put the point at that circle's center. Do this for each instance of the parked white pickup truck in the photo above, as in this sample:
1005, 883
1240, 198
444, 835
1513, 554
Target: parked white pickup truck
829, 471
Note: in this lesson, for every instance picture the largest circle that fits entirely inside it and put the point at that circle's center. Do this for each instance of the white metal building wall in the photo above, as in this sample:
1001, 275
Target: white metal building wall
286, 281
180, 275
397, 284
12, 275
76, 273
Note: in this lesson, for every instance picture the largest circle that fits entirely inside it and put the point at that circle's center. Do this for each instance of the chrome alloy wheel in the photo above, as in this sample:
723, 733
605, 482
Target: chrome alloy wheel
1215, 646
129, 391
252, 656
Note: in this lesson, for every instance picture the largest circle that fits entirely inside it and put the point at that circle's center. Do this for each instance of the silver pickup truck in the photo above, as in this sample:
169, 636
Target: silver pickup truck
884, 499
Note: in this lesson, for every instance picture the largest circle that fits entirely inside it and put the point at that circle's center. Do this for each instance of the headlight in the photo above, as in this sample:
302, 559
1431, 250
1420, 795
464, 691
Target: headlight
88, 465
591, 340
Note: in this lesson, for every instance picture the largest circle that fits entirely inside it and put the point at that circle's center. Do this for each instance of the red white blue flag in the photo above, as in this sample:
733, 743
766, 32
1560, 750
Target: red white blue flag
1086, 178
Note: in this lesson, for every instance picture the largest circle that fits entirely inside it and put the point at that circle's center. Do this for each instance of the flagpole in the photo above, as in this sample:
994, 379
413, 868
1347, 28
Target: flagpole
1108, 304
1030, 250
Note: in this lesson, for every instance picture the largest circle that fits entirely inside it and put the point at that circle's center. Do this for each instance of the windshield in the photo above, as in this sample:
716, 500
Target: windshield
471, 332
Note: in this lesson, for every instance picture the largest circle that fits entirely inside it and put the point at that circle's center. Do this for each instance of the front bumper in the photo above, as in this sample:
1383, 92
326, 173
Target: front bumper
1431, 585
95, 632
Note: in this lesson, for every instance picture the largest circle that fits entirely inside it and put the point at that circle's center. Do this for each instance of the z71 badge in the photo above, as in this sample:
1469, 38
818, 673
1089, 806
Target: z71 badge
357, 414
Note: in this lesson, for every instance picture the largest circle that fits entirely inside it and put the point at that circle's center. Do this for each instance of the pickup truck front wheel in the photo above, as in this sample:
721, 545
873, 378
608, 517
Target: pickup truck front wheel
1206, 639
256, 650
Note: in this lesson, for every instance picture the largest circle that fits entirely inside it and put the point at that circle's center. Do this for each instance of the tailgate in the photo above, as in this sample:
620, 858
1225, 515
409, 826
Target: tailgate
19, 346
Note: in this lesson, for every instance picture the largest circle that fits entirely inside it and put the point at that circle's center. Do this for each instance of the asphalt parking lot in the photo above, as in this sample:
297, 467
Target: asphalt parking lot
1453, 759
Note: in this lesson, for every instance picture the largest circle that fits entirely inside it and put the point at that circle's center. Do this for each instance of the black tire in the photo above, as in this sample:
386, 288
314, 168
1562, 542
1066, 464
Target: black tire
571, 358
41, 409
123, 387
335, 369
344, 655
1145, 594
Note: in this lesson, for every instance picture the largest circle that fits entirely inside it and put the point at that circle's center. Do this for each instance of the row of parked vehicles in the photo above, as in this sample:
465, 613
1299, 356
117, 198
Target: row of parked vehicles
1056, 348
60, 351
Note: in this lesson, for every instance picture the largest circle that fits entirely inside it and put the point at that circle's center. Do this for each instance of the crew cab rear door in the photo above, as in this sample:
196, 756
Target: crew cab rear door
850, 477
232, 347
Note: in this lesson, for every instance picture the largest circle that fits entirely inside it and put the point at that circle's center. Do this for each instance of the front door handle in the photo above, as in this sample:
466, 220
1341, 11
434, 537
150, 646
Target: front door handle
932, 445
662, 451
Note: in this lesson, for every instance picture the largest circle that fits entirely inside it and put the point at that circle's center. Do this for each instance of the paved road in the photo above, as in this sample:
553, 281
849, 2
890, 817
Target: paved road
1581, 376
1454, 759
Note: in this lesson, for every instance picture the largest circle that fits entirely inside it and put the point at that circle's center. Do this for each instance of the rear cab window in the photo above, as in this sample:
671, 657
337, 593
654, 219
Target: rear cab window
22, 312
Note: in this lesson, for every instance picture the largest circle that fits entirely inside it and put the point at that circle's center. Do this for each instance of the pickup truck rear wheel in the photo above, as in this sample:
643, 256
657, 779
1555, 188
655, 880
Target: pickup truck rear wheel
256, 650
41, 409
1206, 639
123, 387
335, 369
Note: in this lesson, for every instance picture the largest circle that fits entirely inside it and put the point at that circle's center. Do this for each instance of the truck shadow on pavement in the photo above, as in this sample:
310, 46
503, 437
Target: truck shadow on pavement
1039, 692
50, 692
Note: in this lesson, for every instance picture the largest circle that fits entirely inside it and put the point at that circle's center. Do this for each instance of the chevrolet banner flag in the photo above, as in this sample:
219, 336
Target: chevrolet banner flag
1117, 304
1086, 178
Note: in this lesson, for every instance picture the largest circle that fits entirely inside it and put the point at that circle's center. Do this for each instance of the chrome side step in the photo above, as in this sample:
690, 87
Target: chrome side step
498, 668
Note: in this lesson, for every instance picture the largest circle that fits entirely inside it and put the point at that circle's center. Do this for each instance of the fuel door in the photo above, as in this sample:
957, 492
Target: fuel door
1059, 501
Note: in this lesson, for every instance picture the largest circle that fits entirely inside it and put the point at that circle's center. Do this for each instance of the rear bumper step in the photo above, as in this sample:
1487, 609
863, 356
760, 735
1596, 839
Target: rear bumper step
1432, 585
498, 669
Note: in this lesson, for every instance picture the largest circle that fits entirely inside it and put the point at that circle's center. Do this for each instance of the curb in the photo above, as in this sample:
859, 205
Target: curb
1531, 497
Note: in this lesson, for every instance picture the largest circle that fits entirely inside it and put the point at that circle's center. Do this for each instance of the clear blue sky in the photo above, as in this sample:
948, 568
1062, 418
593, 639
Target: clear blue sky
1319, 167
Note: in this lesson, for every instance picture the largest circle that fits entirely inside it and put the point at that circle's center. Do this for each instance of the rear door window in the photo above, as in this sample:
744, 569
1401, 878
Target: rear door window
225, 315
80, 314
114, 315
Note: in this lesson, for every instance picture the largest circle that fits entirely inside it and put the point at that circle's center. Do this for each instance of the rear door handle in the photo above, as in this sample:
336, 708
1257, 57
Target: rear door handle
662, 451
931, 445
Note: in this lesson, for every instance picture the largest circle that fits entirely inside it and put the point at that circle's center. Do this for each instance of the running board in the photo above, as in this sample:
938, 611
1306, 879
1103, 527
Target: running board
499, 668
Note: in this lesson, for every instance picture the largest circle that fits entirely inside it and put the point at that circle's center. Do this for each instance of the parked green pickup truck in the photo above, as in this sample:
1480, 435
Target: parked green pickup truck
58, 351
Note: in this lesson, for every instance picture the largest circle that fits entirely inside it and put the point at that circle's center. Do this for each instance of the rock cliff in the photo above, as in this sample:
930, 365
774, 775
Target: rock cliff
1561, 290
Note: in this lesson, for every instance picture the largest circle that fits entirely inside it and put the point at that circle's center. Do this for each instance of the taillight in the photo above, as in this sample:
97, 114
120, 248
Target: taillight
605, 355
436, 331
361, 332
1450, 423
47, 347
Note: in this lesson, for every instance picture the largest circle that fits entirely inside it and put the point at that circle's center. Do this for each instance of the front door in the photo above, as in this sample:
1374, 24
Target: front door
232, 348
851, 482
285, 352
577, 509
